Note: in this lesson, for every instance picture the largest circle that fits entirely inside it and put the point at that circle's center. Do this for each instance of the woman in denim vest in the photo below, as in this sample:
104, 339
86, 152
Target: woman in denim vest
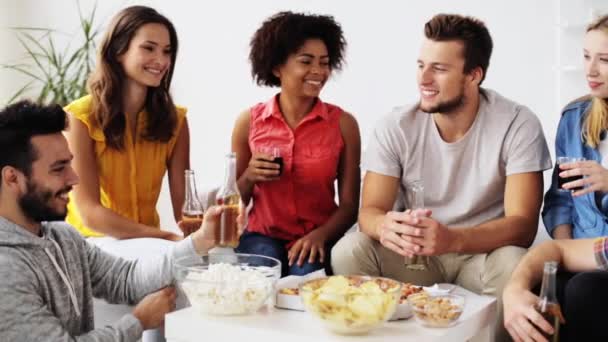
579, 208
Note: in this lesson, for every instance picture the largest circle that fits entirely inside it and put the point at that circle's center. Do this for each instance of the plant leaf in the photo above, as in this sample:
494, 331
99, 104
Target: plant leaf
21, 69
62, 73
20, 92
35, 56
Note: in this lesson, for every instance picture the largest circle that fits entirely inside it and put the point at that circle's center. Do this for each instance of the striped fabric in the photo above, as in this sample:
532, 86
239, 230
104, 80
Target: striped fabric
600, 249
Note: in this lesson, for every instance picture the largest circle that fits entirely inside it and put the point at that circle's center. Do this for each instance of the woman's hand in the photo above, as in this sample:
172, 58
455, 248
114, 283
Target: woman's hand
311, 246
522, 321
595, 177
261, 168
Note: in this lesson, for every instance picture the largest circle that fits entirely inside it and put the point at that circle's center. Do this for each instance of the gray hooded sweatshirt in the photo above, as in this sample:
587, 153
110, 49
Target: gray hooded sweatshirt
47, 284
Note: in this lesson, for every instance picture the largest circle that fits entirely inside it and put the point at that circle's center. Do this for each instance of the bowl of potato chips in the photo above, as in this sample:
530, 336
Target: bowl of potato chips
351, 305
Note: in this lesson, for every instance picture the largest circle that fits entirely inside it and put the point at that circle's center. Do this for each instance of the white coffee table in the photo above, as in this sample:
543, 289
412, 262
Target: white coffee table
271, 324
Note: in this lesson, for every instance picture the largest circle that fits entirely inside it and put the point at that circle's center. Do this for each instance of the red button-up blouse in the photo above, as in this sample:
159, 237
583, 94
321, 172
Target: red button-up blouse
303, 198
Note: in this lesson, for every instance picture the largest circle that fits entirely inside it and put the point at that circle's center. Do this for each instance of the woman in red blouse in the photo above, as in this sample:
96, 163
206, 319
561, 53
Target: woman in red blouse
294, 217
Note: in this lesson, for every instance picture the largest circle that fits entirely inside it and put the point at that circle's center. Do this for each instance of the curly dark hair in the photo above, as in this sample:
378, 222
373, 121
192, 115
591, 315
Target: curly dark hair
21, 121
283, 34
471, 31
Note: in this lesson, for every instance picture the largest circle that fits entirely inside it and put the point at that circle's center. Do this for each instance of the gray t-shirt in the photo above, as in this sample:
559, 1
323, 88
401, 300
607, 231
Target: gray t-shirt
464, 182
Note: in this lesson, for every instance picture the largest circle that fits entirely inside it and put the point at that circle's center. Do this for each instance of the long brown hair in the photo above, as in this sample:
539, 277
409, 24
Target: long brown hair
596, 121
106, 83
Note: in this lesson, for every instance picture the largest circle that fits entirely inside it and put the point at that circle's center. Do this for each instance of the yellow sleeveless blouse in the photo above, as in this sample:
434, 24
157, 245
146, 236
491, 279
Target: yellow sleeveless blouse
129, 180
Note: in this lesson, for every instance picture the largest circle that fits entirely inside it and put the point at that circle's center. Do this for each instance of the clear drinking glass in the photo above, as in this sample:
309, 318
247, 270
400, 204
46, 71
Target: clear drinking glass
414, 193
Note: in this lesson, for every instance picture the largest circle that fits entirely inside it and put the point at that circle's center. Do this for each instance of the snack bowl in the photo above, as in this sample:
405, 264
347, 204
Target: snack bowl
227, 284
436, 311
351, 305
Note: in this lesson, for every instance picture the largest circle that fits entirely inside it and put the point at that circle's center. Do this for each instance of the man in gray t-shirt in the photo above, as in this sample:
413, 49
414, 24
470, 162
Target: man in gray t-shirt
479, 157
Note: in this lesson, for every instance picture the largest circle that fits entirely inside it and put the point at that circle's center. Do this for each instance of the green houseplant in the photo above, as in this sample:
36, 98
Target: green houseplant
57, 75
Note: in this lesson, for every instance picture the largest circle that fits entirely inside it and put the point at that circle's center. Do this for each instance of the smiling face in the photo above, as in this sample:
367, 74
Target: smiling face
305, 71
45, 197
596, 62
441, 80
148, 56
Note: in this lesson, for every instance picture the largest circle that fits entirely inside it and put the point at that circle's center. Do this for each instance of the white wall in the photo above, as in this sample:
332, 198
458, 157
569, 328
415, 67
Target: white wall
212, 76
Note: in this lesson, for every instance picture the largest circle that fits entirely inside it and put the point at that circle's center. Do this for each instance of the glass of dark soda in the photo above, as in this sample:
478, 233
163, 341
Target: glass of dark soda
276, 158
563, 180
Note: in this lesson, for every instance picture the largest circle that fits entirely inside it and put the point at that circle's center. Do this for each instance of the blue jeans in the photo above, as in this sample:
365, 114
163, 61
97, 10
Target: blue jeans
255, 243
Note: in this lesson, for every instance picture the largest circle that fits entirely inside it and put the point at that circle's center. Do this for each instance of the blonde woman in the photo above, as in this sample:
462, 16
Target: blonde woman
582, 210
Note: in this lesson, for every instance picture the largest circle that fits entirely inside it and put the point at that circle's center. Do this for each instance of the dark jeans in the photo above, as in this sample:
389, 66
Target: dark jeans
255, 243
584, 301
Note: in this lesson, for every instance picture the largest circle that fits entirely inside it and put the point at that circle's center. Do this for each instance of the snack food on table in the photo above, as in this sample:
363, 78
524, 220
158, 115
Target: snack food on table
353, 304
291, 291
407, 290
231, 284
436, 311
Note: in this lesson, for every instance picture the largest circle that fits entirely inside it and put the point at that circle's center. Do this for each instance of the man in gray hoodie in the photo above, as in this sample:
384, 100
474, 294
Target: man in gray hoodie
48, 273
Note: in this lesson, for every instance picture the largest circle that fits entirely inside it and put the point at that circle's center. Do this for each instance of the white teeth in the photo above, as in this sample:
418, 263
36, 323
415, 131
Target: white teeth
317, 83
429, 92
64, 196
154, 71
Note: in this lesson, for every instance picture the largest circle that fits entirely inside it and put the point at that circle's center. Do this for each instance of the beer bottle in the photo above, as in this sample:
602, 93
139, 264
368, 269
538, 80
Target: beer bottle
192, 210
229, 197
548, 306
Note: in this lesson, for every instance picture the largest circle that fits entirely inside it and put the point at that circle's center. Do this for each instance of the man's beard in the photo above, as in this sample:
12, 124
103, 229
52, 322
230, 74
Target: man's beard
446, 107
35, 204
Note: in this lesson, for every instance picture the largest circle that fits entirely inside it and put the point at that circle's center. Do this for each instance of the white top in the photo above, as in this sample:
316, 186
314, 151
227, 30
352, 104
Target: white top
603, 149
464, 181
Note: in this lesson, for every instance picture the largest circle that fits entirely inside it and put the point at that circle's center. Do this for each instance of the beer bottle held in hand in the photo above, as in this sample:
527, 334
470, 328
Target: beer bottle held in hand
229, 196
548, 306
192, 211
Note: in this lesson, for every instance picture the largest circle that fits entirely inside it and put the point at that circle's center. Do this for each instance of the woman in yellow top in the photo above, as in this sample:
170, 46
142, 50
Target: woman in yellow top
127, 133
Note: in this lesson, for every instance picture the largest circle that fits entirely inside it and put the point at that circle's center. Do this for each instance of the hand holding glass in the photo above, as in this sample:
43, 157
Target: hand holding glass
276, 155
563, 180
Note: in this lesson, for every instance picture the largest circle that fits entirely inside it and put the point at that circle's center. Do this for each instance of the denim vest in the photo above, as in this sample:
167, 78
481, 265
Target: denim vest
587, 219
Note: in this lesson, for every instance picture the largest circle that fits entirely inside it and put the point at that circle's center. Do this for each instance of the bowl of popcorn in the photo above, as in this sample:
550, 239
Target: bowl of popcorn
227, 284
436, 311
351, 305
